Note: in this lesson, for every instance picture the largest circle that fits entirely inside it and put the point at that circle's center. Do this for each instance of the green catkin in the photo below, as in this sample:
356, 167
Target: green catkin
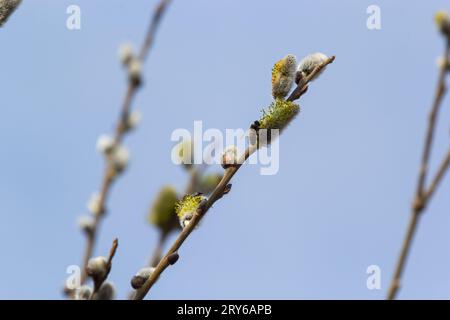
186, 207
278, 115
162, 213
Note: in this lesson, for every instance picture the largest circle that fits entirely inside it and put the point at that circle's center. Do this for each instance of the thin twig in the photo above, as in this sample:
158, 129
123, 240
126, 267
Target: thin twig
445, 164
157, 253
221, 189
120, 131
422, 194
98, 283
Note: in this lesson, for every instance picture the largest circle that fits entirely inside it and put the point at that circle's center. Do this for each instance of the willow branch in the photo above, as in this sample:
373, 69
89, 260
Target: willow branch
221, 189
157, 252
108, 176
445, 164
98, 283
422, 194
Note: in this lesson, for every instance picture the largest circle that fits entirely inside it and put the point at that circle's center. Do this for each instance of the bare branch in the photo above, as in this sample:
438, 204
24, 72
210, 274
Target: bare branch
423, 195
108, 177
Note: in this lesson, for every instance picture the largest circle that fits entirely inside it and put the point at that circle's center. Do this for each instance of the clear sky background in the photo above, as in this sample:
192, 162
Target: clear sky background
348, 164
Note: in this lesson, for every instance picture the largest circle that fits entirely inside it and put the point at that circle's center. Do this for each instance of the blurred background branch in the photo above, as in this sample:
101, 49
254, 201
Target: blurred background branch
423, 193
116, 156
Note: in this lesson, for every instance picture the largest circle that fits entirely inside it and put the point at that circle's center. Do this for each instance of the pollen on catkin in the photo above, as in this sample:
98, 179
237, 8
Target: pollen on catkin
278, 115
186, 208
283, 76
442, 20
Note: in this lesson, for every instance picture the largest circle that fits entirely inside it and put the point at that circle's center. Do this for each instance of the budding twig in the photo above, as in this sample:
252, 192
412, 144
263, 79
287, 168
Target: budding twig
99, 281
302, 84
121, 129
423, 194
222, 188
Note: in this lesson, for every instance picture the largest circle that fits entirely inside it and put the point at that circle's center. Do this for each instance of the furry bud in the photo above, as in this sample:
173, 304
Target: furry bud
83, 293
105, 144
283, 75
162, 213
133, 120
229, 157
120, 158
308, 63
135, 71
141, 276
94, 204
125, 54
279, 114
86, 224
97, 267
186, 208
107, 291
442, 63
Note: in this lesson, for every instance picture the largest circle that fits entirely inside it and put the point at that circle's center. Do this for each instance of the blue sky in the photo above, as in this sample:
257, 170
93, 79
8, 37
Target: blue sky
348, 164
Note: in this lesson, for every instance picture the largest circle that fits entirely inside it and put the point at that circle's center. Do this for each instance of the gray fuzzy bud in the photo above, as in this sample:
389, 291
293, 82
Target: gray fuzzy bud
308, 63
141, 276
135, 71
97, 267
86, 224
83, 293
106, 292
126, 54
